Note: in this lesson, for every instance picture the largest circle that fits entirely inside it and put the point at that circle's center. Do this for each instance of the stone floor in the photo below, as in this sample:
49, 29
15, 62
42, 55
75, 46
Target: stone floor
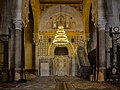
58, 83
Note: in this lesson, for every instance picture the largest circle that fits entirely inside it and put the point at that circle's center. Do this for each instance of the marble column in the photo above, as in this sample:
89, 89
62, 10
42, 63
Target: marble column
101, 38
114, 52
36, 59
102, 59
18, 40
12, 54
36, 41
18, 48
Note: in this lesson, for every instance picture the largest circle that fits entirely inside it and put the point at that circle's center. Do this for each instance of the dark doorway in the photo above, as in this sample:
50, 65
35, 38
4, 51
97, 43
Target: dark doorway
61, 51
118, 58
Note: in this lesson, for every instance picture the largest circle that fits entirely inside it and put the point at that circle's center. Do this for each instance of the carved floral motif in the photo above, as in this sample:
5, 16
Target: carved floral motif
36, 38
25, 12
18, 24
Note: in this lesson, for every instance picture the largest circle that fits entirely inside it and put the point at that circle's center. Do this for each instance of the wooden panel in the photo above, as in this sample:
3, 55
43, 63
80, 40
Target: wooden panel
67, 33
61, 1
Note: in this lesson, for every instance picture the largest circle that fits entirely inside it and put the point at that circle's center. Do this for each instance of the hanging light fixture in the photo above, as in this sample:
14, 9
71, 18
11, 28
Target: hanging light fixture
60, 38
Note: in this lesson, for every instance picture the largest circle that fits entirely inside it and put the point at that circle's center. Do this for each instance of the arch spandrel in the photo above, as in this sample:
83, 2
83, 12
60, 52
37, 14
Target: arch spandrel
36, 14
86, 13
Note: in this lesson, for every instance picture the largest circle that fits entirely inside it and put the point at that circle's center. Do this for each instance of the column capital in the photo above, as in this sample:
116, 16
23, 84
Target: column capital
25, 12
101, 15
87, 37
101, 26
101, 22
18, 24
36, 38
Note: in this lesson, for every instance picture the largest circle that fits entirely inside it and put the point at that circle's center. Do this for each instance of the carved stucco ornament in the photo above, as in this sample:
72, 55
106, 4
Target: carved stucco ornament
36, 38
25, 13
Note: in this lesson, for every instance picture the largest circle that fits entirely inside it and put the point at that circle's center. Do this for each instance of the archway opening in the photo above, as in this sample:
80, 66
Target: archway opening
29, 48
92, 45
61, 51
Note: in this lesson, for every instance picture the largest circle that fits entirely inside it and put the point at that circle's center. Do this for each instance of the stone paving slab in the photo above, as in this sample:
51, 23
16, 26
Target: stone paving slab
59, 83
40, 83
93, 86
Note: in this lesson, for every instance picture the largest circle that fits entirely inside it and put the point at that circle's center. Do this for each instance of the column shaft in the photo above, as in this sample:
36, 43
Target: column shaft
102, 61
36, 60
101, 38
18, 40
114, 52
18, 59
12, 55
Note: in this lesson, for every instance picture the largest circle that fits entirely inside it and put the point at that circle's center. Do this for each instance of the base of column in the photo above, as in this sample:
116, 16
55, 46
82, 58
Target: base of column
4, 77
96, 74
11, 75
101, 75
17, 76
29, 74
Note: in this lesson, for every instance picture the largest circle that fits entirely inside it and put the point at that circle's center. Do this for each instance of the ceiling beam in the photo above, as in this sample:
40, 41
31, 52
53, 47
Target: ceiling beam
71, 33
60, 2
